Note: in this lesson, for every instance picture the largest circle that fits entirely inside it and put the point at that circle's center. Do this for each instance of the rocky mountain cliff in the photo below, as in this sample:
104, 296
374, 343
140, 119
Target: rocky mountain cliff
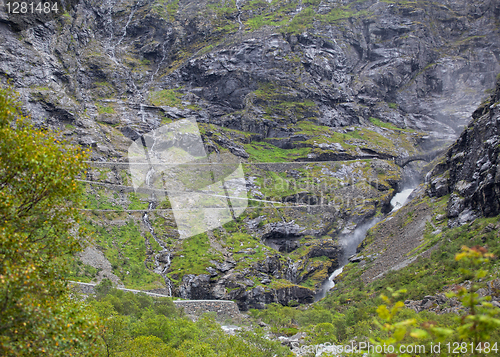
462, 185
469, 173
316, 98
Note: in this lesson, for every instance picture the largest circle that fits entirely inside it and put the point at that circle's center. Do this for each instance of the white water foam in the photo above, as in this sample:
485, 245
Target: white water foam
399, 199
349, 245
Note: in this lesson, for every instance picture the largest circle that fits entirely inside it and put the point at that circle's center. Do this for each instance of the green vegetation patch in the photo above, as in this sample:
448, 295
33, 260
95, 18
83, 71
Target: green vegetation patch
81, 272
283, 101
301, 22
194, 256
125, 248
264, 152
101, 199
222, 14
383, 124
101, 109
132, 325
166, 97
353, 138
341, 13
167, 9
262, 13
138, 201
270, 19
277, 284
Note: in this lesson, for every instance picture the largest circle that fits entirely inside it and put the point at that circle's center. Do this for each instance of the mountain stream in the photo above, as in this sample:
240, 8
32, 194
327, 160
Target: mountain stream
163, 258
350, 242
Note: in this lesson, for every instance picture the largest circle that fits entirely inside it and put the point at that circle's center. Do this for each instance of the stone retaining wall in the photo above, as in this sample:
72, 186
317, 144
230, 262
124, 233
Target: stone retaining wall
223, 308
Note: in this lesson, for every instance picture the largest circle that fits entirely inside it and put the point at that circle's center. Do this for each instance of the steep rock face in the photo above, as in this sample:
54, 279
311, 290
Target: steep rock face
268, 284
470, 172
432, 61
307, 82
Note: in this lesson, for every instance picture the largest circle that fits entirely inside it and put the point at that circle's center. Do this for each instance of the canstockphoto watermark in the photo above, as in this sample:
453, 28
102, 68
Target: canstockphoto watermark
363, 348
319, 349
367, 348
205, 191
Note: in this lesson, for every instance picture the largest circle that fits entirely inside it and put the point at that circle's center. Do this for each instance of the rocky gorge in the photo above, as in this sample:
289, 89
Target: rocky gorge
316, 99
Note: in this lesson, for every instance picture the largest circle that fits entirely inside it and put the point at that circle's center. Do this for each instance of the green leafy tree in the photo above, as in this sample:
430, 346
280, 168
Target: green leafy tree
324, 332
148, 346
114, 329
482, 317
473, 332
396, 331
103, 288
39, 214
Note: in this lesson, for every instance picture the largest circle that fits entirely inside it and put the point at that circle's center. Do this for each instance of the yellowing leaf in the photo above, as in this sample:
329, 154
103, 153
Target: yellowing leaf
383, 312
400, 333
418, 333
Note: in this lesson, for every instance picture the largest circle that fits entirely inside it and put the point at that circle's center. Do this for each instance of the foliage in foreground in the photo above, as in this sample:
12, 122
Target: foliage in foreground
473, 329
39, 201
138, 325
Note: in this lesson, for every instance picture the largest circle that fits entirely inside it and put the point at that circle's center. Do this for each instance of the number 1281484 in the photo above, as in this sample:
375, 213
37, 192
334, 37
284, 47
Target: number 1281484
24, 7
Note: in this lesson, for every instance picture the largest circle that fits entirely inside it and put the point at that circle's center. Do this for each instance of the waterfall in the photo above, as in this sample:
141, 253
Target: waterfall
159, 268
239, 14
291, 270
113, 48
350, 242
349, 245
142, 113
164, 55
109, 27
400, 199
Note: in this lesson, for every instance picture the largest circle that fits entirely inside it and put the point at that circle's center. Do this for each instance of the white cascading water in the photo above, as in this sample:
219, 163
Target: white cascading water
108, 25
291, 271
400, 198
132, 12
159, 268
164, 56
239, 14
328, 284
349, 245
142, 113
